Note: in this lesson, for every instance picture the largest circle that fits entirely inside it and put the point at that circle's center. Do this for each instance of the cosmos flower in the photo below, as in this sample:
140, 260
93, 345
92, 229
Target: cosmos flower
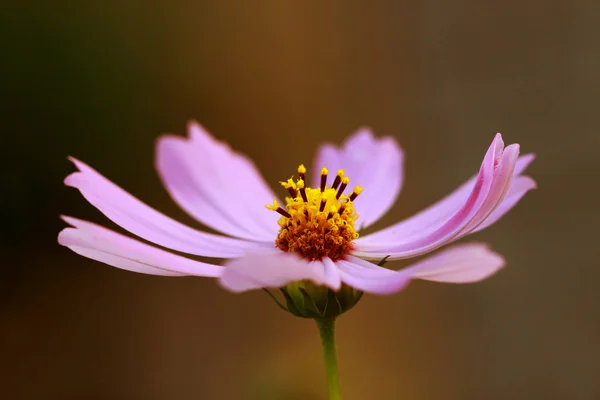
313, 234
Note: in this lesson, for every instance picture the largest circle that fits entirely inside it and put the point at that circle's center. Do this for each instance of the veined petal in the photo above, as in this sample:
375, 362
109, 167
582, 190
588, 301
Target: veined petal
276, 269
491, 186
377, 164
217, 186
147, 223
102, 244
458, 264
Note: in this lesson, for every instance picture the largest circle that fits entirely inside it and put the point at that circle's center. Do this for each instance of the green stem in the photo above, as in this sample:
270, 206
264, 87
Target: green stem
326, 329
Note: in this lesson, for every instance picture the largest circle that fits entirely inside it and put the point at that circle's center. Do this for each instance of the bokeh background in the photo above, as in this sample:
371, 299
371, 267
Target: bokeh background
100, 80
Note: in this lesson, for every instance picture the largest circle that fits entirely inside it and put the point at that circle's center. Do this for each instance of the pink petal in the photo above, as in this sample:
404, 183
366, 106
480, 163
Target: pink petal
370, 278
332, 276
502, 180
147, 223
217, 186
101, 244
377, 164
518, 189
438, 213
435, 227
464, 263
523, 162
276, 269
459, 264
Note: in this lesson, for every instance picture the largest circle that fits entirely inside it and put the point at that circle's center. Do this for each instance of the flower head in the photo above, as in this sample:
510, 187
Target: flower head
313, 235
319, 222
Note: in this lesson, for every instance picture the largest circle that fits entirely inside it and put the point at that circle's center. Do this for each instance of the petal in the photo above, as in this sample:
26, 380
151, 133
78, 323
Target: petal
431, 230
501, 184
147, 223
217, 186
523, 162
464, 263
441, 211
458, 264
276, 269
332, 275
101, 244
518, 189
377, 164
370, 278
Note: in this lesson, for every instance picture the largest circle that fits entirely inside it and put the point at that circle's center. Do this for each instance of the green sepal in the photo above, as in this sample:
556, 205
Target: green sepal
306, 300
383, 260
275, 299
334, 305
290, 303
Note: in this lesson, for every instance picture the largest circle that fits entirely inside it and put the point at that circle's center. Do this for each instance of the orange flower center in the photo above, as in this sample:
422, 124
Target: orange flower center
317, 223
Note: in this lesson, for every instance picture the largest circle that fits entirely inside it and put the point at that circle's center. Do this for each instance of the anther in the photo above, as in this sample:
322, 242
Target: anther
291, 187
322, 206
345, 182
283, 212
302, 173
332, 211
338, 179
324, 173
317, 223
275, 207
357, 190
300, 185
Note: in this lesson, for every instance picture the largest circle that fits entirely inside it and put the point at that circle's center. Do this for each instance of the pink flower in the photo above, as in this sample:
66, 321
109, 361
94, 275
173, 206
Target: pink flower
313, 235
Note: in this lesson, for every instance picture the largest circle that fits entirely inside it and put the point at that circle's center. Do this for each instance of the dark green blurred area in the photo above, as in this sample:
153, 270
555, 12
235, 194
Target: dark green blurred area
102, 80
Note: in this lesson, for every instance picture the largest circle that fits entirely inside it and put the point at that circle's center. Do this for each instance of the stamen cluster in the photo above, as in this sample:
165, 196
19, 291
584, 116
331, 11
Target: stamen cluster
317, 223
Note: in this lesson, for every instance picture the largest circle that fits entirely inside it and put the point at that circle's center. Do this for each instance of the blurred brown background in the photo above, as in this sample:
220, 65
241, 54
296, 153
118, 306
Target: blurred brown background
101, 80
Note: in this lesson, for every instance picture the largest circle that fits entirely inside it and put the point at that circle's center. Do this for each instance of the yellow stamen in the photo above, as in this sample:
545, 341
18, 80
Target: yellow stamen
302, 190
317, 222
302, 172
332, 210
323, 203
345, 182
324, 173
338, 178
273, 207
290, 185
357, 190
